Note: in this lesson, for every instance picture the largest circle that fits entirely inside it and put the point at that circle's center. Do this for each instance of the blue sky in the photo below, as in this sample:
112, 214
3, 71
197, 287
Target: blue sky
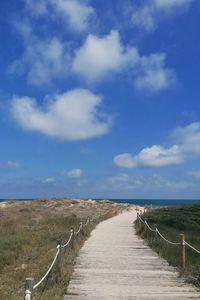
100, 99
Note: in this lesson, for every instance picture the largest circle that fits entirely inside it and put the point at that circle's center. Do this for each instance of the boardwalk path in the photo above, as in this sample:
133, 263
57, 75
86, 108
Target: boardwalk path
115, 264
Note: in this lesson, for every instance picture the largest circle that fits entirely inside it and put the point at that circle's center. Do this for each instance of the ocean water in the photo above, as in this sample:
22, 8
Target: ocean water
156, 202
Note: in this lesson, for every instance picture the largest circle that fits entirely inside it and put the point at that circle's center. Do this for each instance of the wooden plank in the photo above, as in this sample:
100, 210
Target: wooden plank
115, 264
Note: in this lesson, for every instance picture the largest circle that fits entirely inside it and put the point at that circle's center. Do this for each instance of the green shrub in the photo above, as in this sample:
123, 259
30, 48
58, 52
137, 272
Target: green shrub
172, 222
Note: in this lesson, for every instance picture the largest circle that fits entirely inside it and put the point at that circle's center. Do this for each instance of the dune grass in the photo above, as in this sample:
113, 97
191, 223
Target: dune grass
172, 222
28, 239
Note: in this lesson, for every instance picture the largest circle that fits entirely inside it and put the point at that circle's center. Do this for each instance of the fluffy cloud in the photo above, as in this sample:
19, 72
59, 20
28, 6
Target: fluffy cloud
156, 156
46, 56
76, 12
147, 16
43, 61
125, 160
144, 17
188, 137
153, 75
187, 147
74, 173
70, 116
159, 156
100, 55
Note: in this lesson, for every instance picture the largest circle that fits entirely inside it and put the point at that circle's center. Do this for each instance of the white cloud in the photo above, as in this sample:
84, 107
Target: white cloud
155, 156
119, 178
10, 165
121, 181
43, 61
100, 55
125, 160
159, 156
144, 17
70, 116
170, 4
50, 58
122, 184
46, 60
153, 75
49, 180
46, 56
77, 12
187, 146
74, 173
188, 137
154, 11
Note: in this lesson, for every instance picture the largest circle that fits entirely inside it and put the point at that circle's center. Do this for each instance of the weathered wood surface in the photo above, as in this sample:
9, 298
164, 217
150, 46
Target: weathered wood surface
115, 264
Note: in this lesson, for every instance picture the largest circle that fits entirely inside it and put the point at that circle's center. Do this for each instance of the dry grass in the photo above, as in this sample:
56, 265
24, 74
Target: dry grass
29, 232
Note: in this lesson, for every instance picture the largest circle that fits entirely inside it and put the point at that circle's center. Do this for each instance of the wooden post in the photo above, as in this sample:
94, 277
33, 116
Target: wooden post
82, 230
139, 222
156, 233
155, 238
72, 240
145, 228
182, 250
28, 294
59, 261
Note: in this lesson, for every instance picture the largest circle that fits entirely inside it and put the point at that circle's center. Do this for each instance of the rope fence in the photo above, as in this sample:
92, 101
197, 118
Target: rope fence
79, 230
182, 242
49, 270
193, 248
29, 284
69, 240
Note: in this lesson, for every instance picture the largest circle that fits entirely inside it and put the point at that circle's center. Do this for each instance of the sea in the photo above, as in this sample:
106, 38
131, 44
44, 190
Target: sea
141, 202
157, 202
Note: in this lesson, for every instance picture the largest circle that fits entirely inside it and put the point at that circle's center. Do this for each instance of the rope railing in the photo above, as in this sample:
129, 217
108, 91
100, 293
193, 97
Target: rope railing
79, 229
49, 270
190, 246
69, 240
151, 229
87, 222
138, 216
182, 243
29, 281
29, 285
166, 240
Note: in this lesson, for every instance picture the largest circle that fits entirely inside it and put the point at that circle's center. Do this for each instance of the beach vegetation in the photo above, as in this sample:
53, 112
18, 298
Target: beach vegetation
172, 222
28, 240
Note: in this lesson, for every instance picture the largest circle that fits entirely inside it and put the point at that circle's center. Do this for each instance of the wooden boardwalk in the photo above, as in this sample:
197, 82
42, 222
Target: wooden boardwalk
115, 264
